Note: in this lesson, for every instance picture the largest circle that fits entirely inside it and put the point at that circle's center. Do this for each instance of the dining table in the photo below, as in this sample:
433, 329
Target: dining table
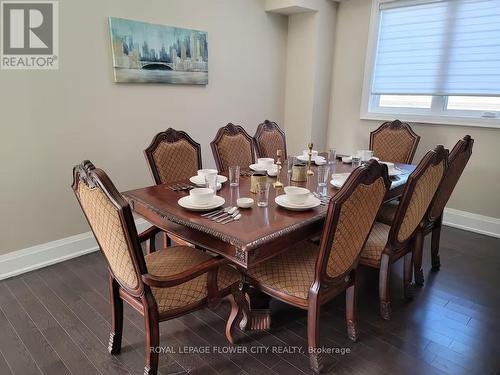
261, 232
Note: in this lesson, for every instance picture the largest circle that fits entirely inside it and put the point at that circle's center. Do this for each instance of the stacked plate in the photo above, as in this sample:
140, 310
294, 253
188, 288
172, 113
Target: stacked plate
297, 199
201, 199
318, 160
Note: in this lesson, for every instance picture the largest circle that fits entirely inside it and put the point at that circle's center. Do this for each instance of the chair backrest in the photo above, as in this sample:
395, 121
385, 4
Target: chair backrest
418, 194
232, 146
457, 161
269, 138
351, 214
111, 220
173, 156
394, 141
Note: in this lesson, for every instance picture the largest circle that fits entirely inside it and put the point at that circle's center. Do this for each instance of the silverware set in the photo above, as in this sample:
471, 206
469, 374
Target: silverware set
181, 187
224, 215
246, 173
324, 199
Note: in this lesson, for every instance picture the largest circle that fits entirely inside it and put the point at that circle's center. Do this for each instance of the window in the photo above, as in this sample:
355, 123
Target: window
435, 61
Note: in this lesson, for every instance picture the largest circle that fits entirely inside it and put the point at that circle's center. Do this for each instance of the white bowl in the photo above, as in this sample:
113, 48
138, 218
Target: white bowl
313, 156
201, 195
244, 202
204, 172
273, 172
265, 161
347, 159
296, 195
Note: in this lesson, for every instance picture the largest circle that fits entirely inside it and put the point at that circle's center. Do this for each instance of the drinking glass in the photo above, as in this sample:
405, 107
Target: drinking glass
323, 174
234, 175
263, 194
332, 158
211, 181
356, 161
289, 164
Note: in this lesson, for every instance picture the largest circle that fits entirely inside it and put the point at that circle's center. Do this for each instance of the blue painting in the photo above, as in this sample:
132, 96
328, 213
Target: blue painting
145, 53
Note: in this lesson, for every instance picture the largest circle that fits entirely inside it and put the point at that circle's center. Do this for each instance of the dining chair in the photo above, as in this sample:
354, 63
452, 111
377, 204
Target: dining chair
161, 285
172, 156
394, 141
387, 244
232, 146
269, 138
307, 275
457, 161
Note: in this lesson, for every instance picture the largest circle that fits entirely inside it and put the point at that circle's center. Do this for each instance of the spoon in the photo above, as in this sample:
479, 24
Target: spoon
236, 218
230, 215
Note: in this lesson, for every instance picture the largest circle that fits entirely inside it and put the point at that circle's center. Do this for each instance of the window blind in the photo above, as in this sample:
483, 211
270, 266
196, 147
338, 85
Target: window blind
448, 47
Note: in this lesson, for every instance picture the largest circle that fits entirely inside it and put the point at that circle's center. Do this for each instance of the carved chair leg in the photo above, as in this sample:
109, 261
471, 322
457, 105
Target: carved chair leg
407, 276
351, 312
115, 337
436, 235
418, 250
315, 356
383, 287
152, 327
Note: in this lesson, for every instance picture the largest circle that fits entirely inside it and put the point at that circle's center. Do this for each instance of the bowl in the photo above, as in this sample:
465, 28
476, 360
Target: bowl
273, 172
265, 161
204, 172
347, 159
201, 195
313, 156
244, 202
296, 195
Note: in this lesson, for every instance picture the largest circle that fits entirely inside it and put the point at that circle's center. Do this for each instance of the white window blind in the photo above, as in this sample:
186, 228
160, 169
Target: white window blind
447, 47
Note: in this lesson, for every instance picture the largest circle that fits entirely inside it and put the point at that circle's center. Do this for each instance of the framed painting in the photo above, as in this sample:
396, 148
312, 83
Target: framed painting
149, 53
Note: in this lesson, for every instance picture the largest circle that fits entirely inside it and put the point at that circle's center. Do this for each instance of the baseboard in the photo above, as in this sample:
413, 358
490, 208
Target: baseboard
39, 256
489, 226
35, 257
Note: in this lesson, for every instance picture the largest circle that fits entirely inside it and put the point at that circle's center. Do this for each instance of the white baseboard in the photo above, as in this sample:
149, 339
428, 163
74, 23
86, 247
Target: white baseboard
35, 257
39, 256
487, 225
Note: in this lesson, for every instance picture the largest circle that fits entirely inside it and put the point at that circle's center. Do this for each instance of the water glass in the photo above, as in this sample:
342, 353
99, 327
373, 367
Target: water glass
263, 194
356, 161
332, 159
234, 175
289, 164
211, 181
323, 174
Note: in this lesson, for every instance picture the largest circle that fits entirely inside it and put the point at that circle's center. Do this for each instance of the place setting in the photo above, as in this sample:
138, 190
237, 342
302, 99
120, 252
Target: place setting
201, 178
265, 165
297, 199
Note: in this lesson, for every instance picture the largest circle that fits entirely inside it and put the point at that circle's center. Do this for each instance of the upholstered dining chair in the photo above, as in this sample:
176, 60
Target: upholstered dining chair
457, 161
160, 286
269, 138
307, 275
387, 244
172, 156
394, 141
232, 146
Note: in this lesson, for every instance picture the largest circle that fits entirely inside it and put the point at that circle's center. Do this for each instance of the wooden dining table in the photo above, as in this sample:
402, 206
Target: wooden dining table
261, 232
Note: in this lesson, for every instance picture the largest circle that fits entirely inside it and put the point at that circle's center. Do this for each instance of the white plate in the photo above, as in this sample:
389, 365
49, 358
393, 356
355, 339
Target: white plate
186, 202
198, 180
261, 168
347, 159
306, 158
311, 202
339, 179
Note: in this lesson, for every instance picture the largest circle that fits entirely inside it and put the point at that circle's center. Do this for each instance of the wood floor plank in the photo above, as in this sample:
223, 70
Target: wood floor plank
42, 352
73, 357
4, 367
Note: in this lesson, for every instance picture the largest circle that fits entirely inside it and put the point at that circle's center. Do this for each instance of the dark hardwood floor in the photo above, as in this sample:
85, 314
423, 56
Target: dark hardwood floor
57, 321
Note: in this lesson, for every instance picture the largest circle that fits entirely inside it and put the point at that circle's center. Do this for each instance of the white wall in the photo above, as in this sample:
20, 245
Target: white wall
479, 187
52, 120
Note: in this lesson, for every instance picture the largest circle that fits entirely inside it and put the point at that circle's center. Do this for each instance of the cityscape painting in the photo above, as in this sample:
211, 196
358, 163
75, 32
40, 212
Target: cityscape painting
145, 52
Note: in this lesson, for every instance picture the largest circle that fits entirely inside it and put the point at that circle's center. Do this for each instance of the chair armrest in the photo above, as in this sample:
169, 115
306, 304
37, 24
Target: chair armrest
149, 233
184, 276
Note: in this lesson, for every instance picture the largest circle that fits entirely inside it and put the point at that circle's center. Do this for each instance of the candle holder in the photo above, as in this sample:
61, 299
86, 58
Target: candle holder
278, 184
309, 171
